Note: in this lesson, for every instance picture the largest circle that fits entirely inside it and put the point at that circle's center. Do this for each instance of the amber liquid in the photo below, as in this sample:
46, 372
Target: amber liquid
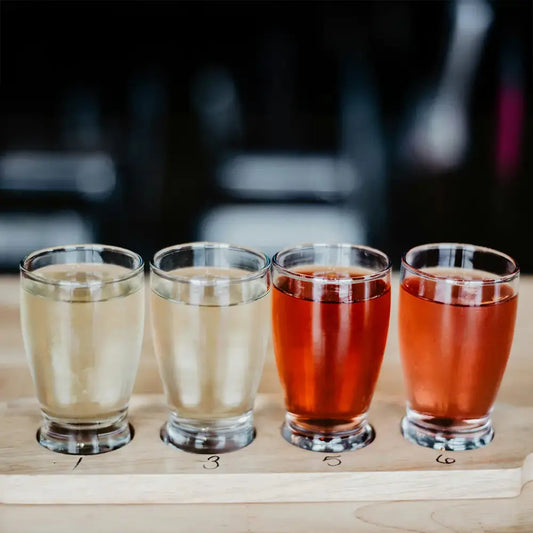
455, 341
329, 341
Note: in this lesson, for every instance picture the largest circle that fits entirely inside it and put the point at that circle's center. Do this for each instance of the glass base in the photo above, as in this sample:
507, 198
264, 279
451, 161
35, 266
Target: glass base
353, 436
447, 434
84, 438
209, 436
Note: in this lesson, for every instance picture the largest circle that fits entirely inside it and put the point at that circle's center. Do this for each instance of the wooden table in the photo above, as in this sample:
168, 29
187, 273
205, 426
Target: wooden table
505, 514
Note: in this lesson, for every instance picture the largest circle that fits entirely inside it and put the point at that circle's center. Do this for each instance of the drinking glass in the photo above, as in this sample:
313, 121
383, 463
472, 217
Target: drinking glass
330, 316
210, 318
82, 316
456, 322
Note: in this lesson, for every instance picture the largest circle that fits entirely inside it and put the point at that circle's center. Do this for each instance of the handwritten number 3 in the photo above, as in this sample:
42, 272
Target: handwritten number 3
335, 458
445, 461
212, 460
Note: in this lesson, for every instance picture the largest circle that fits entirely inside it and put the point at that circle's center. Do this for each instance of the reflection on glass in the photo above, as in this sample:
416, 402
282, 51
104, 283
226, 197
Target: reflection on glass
82, 314
210, 317
457, 313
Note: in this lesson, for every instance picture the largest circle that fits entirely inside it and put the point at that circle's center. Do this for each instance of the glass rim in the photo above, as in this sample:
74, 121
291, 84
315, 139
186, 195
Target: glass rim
464, 246
32, 274
253, 275
318, 279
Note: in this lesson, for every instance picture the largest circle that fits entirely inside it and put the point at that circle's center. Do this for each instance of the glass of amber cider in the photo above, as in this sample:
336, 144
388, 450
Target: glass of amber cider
456, 322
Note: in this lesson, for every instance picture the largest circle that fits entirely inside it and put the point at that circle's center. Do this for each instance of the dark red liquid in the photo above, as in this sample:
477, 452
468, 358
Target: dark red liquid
329, 342
454, 354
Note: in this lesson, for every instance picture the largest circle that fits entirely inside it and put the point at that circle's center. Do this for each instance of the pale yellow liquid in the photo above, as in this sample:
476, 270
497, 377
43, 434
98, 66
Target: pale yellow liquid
83, 338
209, 344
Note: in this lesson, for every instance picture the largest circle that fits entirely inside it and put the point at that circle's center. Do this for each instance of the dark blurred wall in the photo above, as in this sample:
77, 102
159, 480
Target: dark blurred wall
415, 117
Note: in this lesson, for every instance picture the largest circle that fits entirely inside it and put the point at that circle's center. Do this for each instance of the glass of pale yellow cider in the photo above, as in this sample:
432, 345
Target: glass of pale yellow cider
82, 316
210, 313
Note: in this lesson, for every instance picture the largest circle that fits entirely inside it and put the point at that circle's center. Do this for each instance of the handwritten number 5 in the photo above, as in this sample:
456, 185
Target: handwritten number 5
212, 462
332, 460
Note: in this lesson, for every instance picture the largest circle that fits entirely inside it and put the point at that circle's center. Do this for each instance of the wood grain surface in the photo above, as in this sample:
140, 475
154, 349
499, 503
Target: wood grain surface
479, 512
147, 471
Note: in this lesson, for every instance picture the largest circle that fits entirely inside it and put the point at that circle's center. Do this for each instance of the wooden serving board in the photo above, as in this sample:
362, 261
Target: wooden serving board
268, 470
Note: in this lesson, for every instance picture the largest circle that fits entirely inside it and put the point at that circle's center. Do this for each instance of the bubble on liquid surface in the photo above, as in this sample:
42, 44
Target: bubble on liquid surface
210, 276
333, 275
458, 274
84, 277
86, 274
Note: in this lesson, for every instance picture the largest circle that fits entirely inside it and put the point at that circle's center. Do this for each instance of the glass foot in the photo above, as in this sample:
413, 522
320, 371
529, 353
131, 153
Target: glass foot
87, 438
209, 436
447, 434
358, 435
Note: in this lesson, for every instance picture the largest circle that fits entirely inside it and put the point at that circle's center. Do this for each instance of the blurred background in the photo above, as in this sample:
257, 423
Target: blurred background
146, 124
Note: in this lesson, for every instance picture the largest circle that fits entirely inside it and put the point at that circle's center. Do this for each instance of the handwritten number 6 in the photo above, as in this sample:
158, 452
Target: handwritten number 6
335, 458
212, 460
445, 461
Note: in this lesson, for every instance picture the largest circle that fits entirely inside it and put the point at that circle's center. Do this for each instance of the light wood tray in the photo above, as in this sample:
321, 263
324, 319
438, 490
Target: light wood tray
268, 470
